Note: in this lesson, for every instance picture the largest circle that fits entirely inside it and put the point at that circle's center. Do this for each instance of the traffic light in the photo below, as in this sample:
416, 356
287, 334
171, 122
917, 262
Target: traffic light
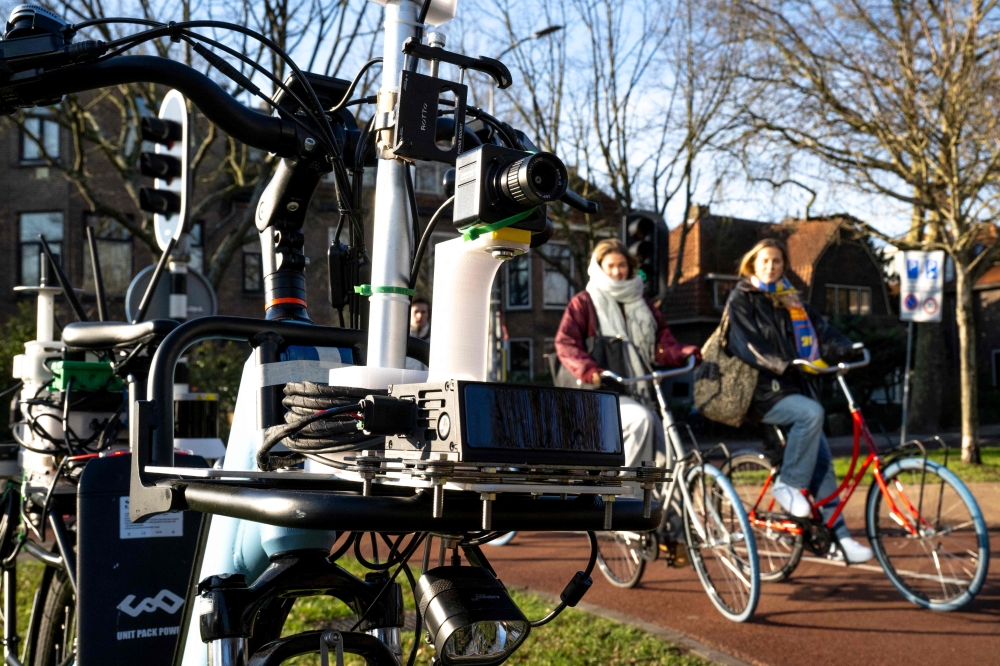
168, 197
646, 236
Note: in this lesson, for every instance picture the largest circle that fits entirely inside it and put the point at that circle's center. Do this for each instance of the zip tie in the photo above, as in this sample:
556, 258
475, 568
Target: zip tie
368, 290
473, 233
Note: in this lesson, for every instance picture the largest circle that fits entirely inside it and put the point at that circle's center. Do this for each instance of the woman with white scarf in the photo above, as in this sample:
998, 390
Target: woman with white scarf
613, 306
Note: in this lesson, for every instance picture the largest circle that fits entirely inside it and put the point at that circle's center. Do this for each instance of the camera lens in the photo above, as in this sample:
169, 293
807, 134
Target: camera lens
534, 180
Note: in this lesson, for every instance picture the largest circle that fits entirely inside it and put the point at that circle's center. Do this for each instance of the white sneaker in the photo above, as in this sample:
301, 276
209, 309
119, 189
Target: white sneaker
791, 500
856, 552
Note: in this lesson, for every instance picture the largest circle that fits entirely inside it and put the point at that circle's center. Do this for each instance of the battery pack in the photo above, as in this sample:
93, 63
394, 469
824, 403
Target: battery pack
132, 578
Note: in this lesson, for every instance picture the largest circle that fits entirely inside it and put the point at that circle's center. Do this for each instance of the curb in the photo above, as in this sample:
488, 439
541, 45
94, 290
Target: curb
692, 645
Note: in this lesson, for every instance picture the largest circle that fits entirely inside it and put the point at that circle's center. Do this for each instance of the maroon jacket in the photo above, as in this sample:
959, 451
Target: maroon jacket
579, 322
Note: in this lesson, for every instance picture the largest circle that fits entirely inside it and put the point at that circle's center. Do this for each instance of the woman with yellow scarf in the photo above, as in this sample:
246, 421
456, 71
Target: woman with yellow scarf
769, 327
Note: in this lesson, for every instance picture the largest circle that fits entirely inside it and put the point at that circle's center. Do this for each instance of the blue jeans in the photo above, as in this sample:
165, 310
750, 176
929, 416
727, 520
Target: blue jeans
808, 462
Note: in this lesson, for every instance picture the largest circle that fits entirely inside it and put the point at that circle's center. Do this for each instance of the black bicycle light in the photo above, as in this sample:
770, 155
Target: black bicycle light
470, 617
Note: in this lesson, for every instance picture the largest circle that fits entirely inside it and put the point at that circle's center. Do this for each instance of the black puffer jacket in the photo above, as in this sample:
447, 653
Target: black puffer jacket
762, 335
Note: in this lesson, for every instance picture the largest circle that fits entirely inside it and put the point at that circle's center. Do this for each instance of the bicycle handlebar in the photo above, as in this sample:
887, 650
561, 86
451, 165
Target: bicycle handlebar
840, 367
659, 374
250, 127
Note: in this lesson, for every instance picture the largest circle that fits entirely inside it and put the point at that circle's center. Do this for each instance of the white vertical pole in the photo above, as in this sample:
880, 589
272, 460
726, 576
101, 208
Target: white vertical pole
392, 242
906, 382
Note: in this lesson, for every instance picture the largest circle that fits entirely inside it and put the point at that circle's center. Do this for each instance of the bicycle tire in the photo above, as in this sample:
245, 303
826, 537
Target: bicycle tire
619, 559
967, 552
727, 563
779, 552
57, 628
502, 541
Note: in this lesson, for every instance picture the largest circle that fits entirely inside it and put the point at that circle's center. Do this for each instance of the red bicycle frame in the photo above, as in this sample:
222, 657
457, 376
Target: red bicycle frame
850, 483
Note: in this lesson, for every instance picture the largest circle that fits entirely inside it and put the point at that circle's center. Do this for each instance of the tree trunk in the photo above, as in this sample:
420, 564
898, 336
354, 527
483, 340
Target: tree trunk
924, 415
966, 318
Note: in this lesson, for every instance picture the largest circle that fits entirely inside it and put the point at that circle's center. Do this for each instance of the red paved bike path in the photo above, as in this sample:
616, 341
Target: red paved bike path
824, 614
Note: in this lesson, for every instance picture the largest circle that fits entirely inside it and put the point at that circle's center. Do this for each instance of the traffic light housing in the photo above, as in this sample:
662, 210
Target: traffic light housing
647, 238
168, 197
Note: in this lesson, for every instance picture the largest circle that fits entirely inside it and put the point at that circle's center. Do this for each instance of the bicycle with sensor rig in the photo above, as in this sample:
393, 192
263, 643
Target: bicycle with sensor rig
333, 437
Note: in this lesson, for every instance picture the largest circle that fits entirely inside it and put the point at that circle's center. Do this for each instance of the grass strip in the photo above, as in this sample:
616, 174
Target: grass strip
574, 638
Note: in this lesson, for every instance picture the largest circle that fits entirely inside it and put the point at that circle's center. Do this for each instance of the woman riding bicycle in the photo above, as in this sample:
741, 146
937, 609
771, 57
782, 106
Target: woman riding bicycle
769, 327
613, 307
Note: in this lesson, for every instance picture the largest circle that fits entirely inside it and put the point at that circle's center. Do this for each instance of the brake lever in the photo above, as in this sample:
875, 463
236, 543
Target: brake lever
574, 200
496, 69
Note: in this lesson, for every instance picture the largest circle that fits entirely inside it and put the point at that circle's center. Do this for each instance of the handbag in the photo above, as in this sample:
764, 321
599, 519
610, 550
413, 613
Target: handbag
723, 384
607, 352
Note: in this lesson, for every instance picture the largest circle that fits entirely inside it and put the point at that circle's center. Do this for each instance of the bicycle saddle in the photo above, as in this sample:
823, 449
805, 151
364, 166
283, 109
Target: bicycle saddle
96, 335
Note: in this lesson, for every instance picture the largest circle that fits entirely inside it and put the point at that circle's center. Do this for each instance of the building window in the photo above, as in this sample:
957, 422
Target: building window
33, 225
39, 138
429, 177
722, 285
519, 283
844, 300
556, 287
253, 269
520, 368
114, 250
196, 247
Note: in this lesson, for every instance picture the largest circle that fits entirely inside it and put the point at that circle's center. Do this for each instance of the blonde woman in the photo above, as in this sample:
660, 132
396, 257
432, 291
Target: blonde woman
769, 327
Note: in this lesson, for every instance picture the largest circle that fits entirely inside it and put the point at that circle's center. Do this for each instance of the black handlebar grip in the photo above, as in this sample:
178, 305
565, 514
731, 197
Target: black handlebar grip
243, 124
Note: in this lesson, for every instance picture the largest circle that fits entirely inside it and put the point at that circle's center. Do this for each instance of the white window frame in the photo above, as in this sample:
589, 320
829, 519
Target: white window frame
58, 246
851, 287
45, 127
546, 268
531, 356
506, 295
715, 279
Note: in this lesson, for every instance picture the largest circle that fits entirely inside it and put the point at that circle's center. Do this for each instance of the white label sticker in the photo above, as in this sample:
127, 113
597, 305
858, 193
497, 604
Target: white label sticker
164, 525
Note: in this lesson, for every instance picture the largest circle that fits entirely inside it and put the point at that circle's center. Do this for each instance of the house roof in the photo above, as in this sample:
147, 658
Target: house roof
990, 278
715, 245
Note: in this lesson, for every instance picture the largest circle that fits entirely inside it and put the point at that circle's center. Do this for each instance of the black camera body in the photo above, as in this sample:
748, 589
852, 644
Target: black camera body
494, 183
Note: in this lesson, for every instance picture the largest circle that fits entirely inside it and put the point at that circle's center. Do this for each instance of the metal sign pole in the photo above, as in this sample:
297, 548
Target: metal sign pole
906, 382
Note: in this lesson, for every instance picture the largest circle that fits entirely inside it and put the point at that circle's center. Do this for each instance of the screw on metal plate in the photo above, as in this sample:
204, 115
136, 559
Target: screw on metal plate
331, 639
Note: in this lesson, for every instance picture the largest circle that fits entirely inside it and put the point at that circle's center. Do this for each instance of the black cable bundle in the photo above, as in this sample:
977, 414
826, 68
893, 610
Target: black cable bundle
319, 420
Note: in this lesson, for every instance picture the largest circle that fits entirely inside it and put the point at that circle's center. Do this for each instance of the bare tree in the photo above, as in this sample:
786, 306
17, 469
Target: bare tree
898, 99
103, 126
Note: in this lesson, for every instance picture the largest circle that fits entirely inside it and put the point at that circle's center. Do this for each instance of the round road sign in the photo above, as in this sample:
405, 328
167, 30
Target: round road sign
931, 305
911, 302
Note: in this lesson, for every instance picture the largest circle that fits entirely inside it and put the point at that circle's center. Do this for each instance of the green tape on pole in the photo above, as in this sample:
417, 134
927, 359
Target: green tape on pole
472, 233
368, 290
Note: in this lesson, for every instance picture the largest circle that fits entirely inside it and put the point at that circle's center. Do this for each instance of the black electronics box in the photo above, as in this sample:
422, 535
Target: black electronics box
482, 422
132, 578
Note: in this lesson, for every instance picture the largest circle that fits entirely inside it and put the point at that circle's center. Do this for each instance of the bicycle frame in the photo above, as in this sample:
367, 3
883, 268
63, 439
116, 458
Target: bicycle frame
672, 435
851, 480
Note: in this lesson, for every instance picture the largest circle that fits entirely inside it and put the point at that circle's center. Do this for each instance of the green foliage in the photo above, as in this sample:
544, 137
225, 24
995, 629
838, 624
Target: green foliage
217, 367
13, 334
989, 471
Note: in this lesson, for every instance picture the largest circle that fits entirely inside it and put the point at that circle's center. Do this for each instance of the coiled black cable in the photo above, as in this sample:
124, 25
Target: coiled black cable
319, 420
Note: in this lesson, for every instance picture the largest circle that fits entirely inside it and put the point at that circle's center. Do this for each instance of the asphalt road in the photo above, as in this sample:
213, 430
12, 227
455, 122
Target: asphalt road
824, 614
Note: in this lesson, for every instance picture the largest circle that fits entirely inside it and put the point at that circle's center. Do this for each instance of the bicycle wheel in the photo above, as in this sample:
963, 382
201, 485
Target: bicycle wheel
502, 541
56, 641
944, 565
721, 543
619, 557
779, 551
